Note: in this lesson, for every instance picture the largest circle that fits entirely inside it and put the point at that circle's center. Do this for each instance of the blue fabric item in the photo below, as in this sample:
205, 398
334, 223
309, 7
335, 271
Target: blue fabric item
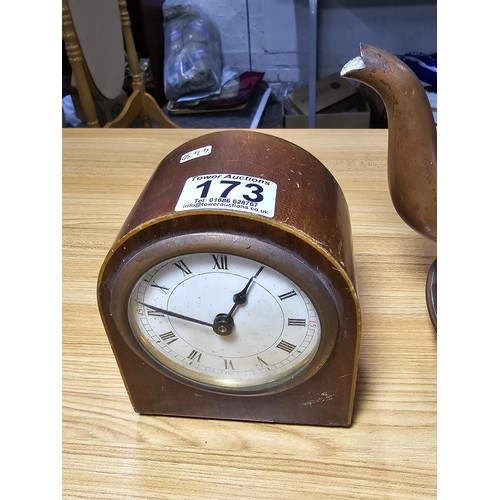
424, 66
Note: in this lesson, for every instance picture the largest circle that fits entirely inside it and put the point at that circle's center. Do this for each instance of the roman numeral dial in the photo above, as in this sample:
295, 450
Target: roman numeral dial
224, 321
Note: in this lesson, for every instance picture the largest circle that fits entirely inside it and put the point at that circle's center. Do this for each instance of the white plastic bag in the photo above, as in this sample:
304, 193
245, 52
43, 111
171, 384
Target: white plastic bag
193, 58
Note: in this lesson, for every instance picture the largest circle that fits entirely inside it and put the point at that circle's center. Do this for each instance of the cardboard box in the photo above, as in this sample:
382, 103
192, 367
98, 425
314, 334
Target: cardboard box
330, 90
338, 105
357, 115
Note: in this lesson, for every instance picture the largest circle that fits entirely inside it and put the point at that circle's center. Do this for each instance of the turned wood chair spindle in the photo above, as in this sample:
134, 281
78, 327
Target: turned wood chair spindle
139, 105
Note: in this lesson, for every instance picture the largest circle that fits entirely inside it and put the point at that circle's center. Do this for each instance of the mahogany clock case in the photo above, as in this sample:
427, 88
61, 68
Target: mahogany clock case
308, 239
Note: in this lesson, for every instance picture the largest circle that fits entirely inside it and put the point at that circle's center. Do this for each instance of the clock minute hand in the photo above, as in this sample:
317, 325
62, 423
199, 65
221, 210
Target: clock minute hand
175, 315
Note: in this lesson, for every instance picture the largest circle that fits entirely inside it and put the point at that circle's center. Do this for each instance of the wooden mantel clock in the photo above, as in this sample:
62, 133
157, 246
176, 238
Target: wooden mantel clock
229, 292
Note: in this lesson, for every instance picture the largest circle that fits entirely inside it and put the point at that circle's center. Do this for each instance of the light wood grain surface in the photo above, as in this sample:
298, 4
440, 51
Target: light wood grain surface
111, 452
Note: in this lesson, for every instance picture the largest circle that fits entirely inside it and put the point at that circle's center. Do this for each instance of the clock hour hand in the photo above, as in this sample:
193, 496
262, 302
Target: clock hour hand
223, 322
175, 315
241, 297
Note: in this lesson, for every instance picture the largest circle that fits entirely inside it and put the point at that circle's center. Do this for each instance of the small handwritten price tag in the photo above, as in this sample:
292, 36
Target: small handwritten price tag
196, 153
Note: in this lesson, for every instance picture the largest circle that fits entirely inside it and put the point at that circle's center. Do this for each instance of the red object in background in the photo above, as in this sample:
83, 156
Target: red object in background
248, 82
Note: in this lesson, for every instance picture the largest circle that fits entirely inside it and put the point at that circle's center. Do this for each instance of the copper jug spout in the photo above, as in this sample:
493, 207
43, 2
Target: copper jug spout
412, 144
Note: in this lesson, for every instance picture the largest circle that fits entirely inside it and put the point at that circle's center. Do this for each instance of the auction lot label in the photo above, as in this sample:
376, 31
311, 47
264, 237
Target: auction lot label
235, 192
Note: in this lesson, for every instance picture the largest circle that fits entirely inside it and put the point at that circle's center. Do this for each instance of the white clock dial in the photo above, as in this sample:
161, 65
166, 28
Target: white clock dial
223, 321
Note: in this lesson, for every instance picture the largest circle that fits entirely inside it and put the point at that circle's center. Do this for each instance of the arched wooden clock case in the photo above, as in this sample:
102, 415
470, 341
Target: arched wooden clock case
302, 230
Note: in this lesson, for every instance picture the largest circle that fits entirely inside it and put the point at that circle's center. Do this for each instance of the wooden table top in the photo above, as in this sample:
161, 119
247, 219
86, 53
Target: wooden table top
109, 451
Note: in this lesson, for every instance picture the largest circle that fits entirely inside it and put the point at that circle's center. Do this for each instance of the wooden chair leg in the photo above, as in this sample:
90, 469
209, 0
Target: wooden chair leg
74, 52
140, 104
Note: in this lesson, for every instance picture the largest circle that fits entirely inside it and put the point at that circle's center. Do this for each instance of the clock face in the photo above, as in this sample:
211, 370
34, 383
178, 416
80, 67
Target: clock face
225, 322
